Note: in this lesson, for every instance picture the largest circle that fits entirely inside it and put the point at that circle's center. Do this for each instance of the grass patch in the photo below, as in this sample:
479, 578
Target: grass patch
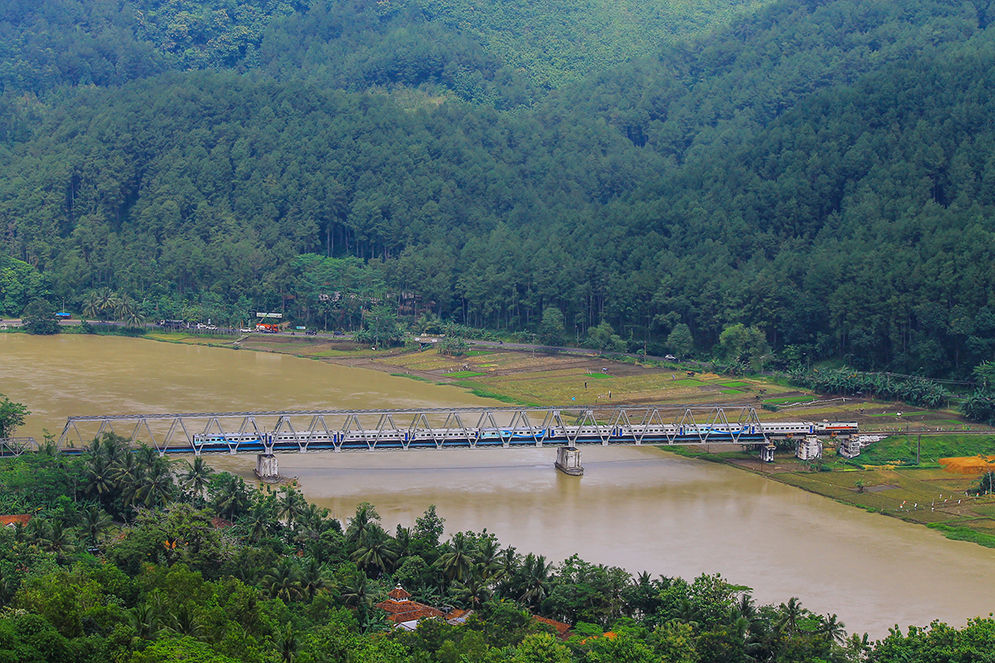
734, 385
411, 377
483, 391
789, 399
479, 353
732, 391
902, 450
597, 376
964, 534
464, 374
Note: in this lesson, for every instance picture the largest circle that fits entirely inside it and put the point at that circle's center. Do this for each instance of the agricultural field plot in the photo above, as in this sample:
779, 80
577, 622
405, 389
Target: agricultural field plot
930, 497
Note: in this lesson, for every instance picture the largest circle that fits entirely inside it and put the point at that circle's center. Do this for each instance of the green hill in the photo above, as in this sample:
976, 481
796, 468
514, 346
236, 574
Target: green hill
820, 171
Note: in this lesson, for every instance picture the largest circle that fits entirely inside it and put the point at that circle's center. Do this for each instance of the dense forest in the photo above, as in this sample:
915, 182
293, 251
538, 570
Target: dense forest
819, 172
127, 557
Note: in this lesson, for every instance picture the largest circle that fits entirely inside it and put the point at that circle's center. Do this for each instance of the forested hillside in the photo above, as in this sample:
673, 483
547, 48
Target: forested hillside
818, 171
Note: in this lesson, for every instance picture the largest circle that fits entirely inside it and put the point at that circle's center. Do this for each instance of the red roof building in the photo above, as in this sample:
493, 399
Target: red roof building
404, 612
11, 521
560, 627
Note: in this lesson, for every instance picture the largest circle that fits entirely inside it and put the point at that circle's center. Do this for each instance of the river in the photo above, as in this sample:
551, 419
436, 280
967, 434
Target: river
641, 509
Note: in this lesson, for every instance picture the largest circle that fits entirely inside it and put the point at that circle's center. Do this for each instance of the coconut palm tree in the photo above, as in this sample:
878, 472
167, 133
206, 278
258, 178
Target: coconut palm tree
228, 496
262, 518
375, 551
832, 628
791, 612
196, 478
98, 476
292, 505
534, 585
94, 521
313, 577
283, 582
366, 517
474, 590
456, 561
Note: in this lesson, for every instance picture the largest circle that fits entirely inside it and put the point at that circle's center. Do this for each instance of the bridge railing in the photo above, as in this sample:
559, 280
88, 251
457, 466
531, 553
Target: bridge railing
15, 446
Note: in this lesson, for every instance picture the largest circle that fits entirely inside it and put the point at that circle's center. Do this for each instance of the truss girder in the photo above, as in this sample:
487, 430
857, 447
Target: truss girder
339, 430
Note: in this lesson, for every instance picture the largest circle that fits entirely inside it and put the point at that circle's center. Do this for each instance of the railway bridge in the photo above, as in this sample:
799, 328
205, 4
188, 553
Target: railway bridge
568, 428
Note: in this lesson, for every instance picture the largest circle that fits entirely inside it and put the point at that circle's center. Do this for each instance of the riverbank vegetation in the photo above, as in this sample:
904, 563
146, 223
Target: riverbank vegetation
129, 557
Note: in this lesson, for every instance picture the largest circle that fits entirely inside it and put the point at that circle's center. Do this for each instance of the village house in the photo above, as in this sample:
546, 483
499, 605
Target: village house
14, 521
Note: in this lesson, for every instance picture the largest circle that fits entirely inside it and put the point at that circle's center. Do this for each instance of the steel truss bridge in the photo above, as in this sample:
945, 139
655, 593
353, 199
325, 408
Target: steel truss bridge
433, 428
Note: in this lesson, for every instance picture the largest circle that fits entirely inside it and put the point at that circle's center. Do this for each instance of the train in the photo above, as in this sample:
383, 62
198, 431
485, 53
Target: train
496, 437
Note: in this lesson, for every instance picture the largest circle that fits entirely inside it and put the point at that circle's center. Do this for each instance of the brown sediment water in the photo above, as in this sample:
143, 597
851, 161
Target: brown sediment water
638, 508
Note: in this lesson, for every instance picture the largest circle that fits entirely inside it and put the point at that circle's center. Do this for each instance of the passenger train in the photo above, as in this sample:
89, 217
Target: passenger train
489, 437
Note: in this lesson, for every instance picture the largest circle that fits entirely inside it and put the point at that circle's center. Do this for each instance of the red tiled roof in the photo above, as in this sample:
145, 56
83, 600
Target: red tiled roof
561, 628
20, 519
220, 523
398, 594
405, 611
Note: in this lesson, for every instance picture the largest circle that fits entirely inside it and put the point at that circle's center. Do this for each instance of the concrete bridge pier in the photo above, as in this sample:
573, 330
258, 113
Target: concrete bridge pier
568, 461
266, 467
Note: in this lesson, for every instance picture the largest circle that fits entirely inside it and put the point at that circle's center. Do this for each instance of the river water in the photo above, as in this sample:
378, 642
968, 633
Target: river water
638, 508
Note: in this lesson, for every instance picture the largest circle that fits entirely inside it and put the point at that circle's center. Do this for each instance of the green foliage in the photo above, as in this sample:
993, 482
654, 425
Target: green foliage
454, 343
680, 341
846, 381
551, 329
20, 283
173, 584
380, 328
12, 415
39, 317
742, 344
603, 337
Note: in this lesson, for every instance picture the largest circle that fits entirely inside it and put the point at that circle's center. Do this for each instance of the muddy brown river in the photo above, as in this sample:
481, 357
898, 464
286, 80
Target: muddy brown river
638, 508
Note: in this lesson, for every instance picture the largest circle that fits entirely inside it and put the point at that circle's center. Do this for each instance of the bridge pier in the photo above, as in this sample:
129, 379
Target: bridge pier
568, 461
767, 453
266, 467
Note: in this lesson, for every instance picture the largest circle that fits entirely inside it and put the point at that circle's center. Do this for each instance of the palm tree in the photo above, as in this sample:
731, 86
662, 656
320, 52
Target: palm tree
94, 522
127, 311
184, 621
489, 558
197, 477
473, 591
313, 577
261, 518
286, 640
365, 518
283, 582
98, 476
157, 487
791, 612
56, 538
355, 592
535, 580
292, 505
145, 620
455, 562
229, 496
832, 628
375, 551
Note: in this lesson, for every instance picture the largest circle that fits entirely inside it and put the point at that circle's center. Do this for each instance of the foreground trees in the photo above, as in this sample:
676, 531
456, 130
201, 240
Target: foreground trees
105, 571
